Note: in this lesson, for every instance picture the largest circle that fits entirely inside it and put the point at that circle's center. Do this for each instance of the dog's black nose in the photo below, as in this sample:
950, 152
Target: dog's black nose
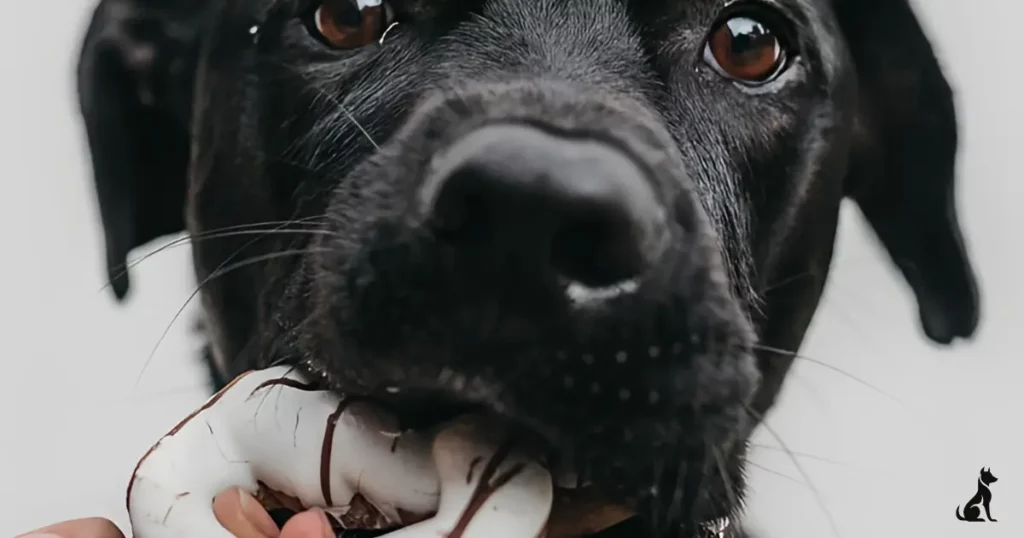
580, 207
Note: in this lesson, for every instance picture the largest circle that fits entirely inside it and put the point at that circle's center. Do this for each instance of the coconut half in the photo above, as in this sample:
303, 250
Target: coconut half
274, 434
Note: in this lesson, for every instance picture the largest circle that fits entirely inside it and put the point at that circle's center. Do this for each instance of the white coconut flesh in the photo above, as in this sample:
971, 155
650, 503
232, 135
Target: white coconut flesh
272, 431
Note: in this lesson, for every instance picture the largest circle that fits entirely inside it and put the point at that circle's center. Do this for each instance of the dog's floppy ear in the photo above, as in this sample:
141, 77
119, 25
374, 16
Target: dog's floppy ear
134, 88
903, 164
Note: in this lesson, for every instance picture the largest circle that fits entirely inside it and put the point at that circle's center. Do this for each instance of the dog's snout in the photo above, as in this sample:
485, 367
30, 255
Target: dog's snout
580, 207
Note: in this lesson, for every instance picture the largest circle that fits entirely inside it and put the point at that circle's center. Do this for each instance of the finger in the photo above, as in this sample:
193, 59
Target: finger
80, 528
242, 515
311, 524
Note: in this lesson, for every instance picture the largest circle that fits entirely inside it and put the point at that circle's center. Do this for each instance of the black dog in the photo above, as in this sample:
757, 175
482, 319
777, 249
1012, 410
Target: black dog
981, 499
609, 221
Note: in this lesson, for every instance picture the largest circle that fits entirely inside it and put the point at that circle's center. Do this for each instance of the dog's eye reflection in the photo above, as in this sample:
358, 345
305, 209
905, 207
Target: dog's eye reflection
746, 50
350, 24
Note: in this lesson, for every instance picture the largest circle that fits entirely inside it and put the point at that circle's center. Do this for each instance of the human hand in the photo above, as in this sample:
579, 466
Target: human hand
79, 528
238, 511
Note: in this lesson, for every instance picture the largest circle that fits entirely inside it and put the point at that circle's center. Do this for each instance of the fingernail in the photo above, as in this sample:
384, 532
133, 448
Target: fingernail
254, 513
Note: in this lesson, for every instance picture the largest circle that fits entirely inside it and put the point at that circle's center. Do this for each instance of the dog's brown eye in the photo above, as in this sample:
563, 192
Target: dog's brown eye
745, 50
350, 24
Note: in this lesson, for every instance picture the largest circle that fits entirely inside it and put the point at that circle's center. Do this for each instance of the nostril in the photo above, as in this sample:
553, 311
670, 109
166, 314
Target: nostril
580, 208
595, 250
464, 207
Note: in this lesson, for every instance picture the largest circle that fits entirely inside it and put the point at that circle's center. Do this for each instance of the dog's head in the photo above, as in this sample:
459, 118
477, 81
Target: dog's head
609, 221
987, 477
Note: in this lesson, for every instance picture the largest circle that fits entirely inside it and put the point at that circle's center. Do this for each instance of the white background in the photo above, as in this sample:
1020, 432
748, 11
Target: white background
892, 461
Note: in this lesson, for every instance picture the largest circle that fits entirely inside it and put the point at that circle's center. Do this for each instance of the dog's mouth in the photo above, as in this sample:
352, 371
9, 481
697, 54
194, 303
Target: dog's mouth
581, 510
578, 511
581, 463
424, 410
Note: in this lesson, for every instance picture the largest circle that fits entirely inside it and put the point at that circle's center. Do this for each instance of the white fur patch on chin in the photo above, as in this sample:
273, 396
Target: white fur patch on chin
582, 295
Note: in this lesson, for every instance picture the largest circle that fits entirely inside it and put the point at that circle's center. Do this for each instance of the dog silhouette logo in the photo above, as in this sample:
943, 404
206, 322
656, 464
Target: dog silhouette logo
981, 500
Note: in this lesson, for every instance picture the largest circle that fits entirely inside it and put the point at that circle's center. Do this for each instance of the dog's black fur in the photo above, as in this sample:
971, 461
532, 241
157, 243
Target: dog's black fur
207, 115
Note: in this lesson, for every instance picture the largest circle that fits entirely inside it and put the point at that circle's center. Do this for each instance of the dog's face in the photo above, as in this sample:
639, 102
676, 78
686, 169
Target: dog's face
609, 221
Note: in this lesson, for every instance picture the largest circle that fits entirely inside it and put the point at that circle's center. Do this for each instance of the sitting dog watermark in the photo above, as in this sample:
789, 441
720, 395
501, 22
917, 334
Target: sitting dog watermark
982, 500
